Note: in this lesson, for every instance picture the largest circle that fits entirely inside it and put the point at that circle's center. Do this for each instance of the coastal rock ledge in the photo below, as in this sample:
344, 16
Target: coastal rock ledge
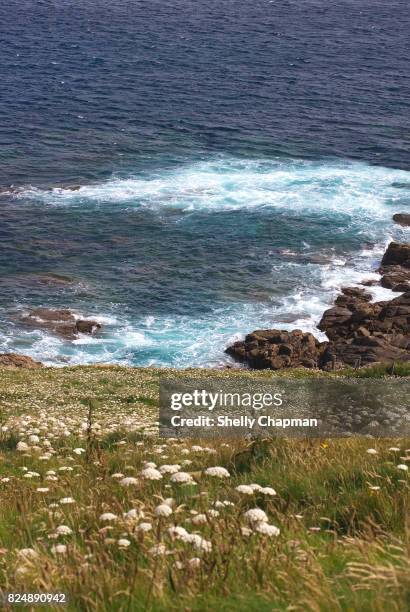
13, 360
61, 322
359, 331
275, 349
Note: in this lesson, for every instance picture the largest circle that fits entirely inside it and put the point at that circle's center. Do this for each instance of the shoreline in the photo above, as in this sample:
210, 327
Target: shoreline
360, 331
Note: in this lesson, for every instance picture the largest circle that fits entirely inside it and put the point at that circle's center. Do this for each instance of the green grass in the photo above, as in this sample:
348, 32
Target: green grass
342, 545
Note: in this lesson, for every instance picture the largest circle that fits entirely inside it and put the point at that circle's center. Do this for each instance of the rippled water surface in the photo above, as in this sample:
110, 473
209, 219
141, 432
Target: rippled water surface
234, 164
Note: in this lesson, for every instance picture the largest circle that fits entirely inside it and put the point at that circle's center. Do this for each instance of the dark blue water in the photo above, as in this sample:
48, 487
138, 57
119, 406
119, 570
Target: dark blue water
237, 161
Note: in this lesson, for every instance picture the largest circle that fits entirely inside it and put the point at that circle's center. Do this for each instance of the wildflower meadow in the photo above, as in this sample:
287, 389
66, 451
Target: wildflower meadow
93, 503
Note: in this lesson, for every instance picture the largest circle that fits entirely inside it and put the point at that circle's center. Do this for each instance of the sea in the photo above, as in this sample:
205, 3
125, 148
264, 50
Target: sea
187, 171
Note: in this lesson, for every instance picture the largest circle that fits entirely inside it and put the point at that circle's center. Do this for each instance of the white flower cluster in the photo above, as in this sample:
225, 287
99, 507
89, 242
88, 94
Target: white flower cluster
217, 472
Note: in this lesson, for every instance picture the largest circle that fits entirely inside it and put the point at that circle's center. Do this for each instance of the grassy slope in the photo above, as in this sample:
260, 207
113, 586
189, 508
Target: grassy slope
343, 545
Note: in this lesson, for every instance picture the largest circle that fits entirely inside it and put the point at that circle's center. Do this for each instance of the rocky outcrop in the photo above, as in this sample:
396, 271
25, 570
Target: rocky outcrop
360, 331
13, 360
366, 348
396, 278
353, 310
373, 332
397, 254
402, 219
395, 267
62, 322
276, 349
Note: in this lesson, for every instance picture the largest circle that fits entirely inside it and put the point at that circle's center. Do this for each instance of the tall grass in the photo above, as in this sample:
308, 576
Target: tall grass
343, 513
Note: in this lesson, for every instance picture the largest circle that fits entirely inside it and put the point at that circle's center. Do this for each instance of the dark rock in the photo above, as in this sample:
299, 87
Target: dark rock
360, 332
276, 349
357, 293
334, 320
363, 351
397, 254
13, 360
87, 327
396, 278
402, 219
397, 312
48, 314
370, 282
65, 187
60, 321
399, 185
54, 279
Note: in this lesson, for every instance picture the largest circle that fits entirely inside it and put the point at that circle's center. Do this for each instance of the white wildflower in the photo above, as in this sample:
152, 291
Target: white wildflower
268, 491
246, 531
178, 533
144, 527
67, 500
255, 487
123, 543
199, 543
63, 530
169, 469
244, 489
266, 529
254, 516
59, 549
151, 473
218, 472
163, 510
158, 550
199, 519
107, 517
133, 514
129, 481
403, 467
182, 478
27, 553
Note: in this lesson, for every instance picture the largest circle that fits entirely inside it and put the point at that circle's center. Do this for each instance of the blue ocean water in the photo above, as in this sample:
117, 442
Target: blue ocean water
237, 162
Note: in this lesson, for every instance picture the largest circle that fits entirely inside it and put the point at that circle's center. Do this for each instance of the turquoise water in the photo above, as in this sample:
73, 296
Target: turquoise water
237, 163
178, 263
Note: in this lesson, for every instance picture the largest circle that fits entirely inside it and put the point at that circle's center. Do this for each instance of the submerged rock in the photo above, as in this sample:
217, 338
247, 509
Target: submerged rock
13, 360
402, 219
62, 322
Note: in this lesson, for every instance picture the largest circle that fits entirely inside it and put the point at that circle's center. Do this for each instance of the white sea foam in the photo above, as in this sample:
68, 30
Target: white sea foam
343, 187
362, 194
